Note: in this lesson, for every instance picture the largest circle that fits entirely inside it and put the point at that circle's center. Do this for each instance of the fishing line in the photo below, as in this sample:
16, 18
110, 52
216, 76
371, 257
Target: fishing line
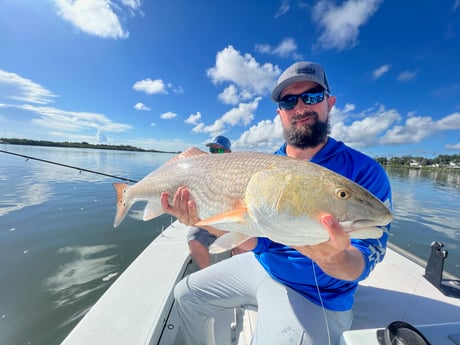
322, 304
68, 166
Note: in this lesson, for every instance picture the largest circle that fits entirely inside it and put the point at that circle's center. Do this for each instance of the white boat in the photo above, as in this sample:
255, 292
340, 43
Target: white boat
138, 309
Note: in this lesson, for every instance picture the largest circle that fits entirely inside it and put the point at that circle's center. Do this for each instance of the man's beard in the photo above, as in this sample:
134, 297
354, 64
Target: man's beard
306, 136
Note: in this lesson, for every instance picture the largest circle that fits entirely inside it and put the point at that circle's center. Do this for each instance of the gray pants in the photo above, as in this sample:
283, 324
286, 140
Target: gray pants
284, 316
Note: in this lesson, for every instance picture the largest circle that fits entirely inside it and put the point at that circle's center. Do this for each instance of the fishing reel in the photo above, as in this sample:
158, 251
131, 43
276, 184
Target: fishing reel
401, 333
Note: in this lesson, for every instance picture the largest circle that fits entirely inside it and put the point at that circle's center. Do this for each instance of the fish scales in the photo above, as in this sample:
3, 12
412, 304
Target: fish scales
216, 182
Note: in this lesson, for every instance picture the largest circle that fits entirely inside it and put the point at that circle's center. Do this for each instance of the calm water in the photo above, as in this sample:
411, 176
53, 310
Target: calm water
59, 251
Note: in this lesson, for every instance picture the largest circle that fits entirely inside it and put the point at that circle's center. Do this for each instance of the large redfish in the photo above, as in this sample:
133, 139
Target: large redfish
254, 194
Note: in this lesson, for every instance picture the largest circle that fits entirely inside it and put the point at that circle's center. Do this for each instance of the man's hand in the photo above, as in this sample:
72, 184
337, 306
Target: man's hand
336, 256
183, 207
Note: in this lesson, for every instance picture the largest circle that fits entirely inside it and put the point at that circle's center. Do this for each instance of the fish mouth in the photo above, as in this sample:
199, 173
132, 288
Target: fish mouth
362, 224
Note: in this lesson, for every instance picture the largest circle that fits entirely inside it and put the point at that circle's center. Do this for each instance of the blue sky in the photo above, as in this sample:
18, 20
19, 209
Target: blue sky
170, 75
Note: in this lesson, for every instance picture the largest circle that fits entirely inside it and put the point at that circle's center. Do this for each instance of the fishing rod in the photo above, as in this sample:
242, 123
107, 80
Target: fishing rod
68, 166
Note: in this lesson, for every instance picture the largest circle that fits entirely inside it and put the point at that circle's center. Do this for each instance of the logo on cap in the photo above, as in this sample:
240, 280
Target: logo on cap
307, 70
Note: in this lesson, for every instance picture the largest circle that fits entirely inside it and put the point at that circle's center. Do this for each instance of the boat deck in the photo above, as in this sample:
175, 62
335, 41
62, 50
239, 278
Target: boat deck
396, 290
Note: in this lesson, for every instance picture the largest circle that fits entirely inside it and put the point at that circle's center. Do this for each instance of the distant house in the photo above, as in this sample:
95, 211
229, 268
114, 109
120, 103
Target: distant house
454, 165
415, 164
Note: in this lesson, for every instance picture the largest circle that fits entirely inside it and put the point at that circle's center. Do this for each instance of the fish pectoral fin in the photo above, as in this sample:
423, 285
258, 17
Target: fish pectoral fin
227, 241
152, 209
233, 216
371, 232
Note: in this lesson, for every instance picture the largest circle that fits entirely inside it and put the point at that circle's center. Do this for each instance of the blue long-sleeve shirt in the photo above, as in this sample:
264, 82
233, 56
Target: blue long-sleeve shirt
295, 270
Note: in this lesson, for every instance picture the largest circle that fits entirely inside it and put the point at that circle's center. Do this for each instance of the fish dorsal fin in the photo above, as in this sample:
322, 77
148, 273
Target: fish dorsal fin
190, 152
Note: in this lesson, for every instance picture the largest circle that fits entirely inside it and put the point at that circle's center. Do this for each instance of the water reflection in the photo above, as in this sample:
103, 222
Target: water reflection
83, 274
30, 182
426, 208
87, 264
24, 193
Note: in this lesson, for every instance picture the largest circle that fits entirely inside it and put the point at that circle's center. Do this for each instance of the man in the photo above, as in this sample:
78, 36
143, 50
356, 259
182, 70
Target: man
198, 239
220, 144
305, 294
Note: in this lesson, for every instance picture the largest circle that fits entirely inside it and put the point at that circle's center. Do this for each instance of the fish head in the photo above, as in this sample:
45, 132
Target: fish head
288, 204
354, 207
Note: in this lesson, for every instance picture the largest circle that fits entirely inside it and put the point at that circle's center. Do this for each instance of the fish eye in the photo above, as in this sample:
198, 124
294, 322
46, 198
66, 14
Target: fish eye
342, 193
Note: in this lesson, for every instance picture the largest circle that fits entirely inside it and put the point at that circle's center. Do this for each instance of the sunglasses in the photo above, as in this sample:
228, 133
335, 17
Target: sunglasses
311, 97
216, 150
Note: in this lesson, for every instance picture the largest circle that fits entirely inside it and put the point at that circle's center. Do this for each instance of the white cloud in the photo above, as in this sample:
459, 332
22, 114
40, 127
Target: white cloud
453, 147
168, 115
193, 119
141, 106
450, 122
263, 48
244, 72
265, 136
232, 95
286, 48
377, 73
94, 17
414, 130
284, 8
348, 108
156, 86
417, 128
407, 76
229, 95
13, 86
341, 24
133, 4
49, 118
364, 132
177, 90
380, 126
101, 138
150, 86
241, 115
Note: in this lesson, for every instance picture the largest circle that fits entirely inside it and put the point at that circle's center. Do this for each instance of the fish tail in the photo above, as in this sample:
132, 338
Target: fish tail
122, 205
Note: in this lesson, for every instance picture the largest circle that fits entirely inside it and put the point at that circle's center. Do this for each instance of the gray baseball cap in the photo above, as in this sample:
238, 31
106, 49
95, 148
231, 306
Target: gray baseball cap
300, 71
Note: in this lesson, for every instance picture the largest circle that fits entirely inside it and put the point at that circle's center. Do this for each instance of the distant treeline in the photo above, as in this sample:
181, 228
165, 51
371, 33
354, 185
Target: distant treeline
452, 161
83, 144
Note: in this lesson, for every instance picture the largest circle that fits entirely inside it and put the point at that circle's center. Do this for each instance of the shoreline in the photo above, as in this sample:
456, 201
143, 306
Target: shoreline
85, 145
